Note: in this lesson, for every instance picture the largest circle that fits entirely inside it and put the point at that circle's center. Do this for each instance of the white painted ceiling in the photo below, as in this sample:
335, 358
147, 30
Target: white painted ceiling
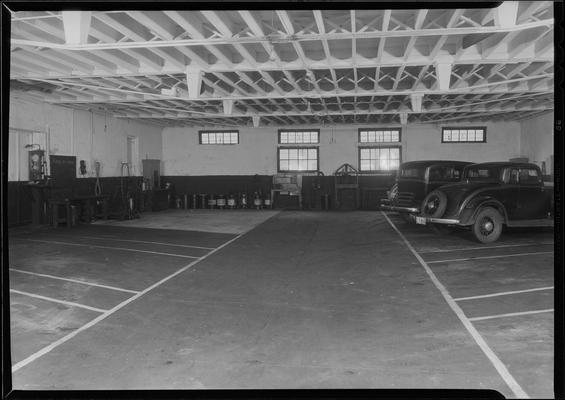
290, 67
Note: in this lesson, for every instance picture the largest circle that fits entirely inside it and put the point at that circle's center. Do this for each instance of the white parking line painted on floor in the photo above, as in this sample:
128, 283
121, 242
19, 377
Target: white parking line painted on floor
73, 280
498, 365
503, 293
68, 303
111, 247
486, 257
106, 314
485, 247
148, 242
511, 314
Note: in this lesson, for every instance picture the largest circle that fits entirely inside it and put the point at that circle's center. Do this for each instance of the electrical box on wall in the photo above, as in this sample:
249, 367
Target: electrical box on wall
151, 174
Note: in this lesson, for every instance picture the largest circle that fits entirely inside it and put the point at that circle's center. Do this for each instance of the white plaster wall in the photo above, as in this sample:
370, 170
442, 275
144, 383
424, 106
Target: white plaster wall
536, 139
257, 151
422, 142
88, 136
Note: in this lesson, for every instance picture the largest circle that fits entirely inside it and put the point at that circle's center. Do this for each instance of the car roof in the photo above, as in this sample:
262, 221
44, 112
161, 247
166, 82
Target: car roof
502, 164
427, 163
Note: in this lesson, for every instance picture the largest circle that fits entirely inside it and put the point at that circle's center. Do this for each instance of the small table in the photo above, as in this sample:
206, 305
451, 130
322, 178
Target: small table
88, 206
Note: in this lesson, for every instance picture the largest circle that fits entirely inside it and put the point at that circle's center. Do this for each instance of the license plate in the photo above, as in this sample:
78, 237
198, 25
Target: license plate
421, 220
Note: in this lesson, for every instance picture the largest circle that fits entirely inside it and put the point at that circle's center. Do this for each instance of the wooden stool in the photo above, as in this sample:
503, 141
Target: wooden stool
68, 214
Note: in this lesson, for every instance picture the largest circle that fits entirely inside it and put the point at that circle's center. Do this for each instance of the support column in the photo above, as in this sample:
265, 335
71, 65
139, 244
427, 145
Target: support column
194, 82
228, 106
256, 121
444, 75
76, 25
416, 101
506, 13
403, 118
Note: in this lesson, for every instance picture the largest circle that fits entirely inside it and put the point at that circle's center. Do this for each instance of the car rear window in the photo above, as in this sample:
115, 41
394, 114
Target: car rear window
412, 172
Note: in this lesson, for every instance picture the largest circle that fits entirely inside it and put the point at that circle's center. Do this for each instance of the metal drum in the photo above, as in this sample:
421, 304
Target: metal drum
211, 201
231, 202
203, 200
221, 201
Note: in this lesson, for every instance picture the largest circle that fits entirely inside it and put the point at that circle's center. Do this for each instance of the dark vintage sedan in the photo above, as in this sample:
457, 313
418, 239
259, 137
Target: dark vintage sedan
489, 196
415, 179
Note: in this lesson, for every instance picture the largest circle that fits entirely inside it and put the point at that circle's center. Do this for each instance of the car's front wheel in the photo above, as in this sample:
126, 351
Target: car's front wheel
488, 225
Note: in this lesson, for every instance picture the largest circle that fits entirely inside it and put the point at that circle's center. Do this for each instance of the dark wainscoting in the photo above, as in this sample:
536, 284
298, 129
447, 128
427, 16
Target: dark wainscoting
20, 195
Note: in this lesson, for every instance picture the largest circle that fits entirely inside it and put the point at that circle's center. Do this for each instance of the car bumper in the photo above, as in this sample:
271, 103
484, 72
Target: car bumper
387, 207
430, 220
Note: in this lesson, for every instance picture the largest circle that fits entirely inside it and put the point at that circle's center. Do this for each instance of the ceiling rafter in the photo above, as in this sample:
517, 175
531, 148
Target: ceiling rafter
291, 67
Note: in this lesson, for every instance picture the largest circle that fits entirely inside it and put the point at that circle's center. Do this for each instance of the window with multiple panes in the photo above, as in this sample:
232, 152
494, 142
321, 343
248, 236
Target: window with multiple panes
477, 134
299, 136
298, 159
372, 159
380, 135
218, 137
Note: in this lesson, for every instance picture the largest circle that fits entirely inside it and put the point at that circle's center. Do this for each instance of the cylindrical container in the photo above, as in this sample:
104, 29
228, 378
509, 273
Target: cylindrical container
221, 201
257, 202
326, 201
203, 200
211, 201
231, 202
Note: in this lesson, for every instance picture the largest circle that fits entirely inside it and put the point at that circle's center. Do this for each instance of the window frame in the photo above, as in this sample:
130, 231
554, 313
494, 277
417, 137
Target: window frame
379, 171
459, 128
379, 130
298, 130
200, 133
279, 148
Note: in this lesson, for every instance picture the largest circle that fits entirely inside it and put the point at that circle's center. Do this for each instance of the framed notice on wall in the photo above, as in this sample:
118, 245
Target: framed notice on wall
63, 170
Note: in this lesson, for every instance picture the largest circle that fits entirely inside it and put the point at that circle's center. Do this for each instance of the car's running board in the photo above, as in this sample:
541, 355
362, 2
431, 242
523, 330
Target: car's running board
531, 223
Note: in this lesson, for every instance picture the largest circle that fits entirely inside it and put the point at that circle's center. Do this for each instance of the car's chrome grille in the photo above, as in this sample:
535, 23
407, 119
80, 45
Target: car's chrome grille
405, 199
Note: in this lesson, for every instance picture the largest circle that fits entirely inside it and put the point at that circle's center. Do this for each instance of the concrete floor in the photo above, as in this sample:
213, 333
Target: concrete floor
202, 220
303, 300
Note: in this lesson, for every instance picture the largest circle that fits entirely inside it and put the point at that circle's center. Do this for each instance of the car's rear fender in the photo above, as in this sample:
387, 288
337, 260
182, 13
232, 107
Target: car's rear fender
469, 212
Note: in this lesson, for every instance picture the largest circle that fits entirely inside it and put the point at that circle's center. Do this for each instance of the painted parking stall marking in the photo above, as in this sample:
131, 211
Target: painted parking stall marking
504, 293
487, 257
67, 303
74, 281
496, 362
111, 247
106, 313
511, 314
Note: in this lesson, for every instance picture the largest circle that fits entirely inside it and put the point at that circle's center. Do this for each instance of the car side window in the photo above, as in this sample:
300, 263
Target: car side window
513, 177
529, 176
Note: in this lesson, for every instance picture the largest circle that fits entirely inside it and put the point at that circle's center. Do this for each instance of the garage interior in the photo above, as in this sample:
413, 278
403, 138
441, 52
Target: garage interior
193, 198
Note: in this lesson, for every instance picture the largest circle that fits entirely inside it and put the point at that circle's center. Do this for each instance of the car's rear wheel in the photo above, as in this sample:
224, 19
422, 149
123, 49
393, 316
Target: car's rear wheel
434, 204
488, 225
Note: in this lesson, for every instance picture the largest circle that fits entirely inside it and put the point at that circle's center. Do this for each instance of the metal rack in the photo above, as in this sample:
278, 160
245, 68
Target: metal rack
346, 179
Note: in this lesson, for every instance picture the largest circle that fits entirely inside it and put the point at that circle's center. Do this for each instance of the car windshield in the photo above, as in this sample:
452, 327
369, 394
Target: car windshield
481, 174
412, 172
